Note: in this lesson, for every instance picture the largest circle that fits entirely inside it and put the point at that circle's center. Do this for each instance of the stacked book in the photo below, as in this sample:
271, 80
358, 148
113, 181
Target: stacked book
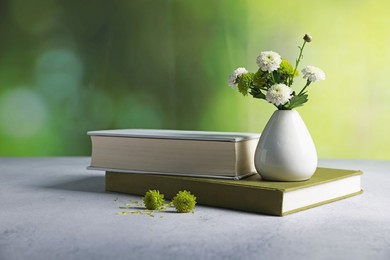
217, 167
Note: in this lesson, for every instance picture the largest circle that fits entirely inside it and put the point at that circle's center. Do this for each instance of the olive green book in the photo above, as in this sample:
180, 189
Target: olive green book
251, 194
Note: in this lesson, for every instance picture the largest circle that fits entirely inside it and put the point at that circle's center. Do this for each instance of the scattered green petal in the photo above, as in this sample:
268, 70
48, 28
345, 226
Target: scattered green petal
149, 212
123, 213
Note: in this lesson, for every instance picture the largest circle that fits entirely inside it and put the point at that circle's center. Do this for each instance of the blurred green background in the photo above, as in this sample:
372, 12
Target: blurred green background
67, 67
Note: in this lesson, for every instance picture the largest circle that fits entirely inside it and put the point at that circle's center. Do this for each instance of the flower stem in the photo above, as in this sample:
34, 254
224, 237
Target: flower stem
307, 84
273, 78
297, 63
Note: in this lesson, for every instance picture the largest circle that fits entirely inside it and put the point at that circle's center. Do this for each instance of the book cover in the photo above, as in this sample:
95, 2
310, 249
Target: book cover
251, 194
177, 134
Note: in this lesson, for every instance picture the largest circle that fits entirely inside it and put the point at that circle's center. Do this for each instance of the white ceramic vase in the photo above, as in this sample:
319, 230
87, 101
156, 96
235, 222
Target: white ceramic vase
286, 151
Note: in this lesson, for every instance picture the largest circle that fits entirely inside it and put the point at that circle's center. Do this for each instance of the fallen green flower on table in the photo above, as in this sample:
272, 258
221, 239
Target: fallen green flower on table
184, 201
153, 199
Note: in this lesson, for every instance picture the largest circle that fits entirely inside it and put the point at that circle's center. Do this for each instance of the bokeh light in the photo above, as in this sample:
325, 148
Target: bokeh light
59, 73
23, 113
67, 67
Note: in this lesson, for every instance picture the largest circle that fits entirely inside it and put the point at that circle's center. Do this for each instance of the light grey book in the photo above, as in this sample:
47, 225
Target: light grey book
174, 152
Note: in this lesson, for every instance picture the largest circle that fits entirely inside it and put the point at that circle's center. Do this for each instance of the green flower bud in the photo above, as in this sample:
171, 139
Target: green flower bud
184, 201
307, 38
153, 199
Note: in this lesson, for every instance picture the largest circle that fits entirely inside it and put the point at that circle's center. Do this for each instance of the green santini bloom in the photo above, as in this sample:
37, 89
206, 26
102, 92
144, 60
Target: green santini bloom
287, 69
284, 72
184, 201
153, 199
244, 83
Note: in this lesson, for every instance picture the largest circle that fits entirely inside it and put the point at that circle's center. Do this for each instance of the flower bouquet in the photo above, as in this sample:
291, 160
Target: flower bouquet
285, 151
274, 78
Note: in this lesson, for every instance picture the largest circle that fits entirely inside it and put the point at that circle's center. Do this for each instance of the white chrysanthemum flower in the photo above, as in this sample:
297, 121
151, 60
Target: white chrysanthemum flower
313, 74
269, 61
278, 94
233, 78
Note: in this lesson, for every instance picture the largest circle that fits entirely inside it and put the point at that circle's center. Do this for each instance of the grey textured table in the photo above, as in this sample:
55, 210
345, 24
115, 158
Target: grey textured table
53, 208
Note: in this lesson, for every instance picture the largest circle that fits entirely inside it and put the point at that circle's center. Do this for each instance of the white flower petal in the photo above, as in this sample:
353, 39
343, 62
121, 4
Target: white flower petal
313, 74
278, 94
269, 61
233, 78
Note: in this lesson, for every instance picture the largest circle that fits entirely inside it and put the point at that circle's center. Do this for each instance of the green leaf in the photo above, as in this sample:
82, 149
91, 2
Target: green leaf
297, 101
256, 93
260, 78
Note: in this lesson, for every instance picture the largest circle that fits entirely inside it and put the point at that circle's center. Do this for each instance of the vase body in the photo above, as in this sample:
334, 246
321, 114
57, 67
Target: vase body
286, 151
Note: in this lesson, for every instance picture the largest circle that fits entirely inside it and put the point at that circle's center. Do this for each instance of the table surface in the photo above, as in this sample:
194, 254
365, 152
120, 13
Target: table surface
53, 208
